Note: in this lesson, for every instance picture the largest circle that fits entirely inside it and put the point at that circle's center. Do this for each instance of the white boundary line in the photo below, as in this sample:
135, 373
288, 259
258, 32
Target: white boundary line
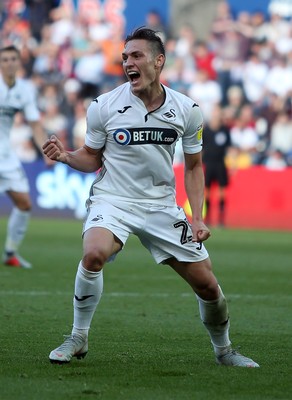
35, 293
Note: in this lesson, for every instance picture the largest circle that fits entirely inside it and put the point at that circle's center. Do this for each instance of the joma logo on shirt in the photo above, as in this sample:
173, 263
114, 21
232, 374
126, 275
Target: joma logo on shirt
145, 136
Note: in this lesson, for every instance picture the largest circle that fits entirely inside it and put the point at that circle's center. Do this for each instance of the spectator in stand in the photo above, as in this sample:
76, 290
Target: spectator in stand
281, 134
244, 25
283, 45
112, 48
100, 29
223, 19
244, 139
275, 160
266, 113
62, 25
171, 74
223, 22
270, 108
71, 96
46, 58
254, 78
55, 123
39, 15
49, 94
154, 21
206, 92
233, 38
229, 57
12, 28
235, 101
275, 28
204, 59
216, 142
279, 77
21, 137
79, 126
81, 41
258, 24
89, 71
183, 50
27, 52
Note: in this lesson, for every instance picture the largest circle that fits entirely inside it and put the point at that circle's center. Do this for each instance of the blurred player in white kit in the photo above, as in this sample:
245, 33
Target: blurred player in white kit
16, 95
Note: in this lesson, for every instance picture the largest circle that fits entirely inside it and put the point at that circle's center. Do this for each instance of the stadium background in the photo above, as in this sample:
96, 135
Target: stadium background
257, 198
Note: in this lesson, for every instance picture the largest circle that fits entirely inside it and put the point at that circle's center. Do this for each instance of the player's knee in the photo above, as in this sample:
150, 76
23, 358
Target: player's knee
94, 260
203, 281
208, 290
23, 203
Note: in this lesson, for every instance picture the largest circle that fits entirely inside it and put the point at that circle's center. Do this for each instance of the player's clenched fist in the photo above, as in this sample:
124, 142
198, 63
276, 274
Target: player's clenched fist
54, 149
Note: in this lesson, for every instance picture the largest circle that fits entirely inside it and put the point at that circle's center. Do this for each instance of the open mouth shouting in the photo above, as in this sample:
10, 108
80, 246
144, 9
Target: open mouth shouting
133, 76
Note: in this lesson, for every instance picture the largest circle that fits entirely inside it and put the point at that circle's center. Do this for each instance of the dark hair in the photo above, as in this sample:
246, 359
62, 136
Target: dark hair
151, 36
10, 48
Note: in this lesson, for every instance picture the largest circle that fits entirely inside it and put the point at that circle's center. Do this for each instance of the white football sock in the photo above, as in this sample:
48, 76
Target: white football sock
16, 229
214, 315
88, 291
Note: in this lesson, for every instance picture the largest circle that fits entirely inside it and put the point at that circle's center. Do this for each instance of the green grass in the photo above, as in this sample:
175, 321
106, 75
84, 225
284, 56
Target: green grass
146, 340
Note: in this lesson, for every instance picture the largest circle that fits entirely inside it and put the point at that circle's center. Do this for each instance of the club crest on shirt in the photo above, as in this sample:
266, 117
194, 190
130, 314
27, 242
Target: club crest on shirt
134, 136
169, 115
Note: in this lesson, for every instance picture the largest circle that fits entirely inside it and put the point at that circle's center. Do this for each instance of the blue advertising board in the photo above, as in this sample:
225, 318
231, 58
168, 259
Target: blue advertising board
55, 191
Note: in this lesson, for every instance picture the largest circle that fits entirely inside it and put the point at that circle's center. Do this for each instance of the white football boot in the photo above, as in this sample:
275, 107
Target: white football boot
74, 346
234, 359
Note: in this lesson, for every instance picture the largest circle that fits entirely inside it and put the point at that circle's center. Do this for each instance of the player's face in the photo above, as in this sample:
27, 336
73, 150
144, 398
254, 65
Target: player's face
141, 67
9, 63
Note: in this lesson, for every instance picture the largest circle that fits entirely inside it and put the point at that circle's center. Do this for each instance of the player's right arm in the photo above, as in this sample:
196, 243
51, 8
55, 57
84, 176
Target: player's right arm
84, 159
87, 158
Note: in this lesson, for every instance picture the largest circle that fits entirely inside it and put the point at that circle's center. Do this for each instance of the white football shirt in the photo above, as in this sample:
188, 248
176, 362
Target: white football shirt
19, 97
139, 145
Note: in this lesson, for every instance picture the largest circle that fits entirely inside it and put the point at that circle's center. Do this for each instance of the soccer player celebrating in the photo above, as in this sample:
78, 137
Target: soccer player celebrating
131, 134
15, 95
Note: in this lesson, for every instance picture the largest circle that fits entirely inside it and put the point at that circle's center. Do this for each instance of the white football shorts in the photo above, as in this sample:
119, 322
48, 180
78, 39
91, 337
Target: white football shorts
14, 180
163, 230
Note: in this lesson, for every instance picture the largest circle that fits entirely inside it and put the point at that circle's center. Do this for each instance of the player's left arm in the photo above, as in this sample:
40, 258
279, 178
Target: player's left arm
33, 118
40, 137
194, 173
194, 186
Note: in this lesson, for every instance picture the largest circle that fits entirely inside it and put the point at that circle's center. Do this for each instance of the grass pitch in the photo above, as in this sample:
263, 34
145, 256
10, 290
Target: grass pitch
146, 340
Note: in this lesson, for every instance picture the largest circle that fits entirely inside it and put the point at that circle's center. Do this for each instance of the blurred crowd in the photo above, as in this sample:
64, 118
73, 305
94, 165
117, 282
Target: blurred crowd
244, 67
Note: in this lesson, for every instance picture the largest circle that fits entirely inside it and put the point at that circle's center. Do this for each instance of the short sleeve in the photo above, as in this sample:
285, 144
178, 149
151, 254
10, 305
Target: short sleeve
95, 134
192, 139
30, 108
